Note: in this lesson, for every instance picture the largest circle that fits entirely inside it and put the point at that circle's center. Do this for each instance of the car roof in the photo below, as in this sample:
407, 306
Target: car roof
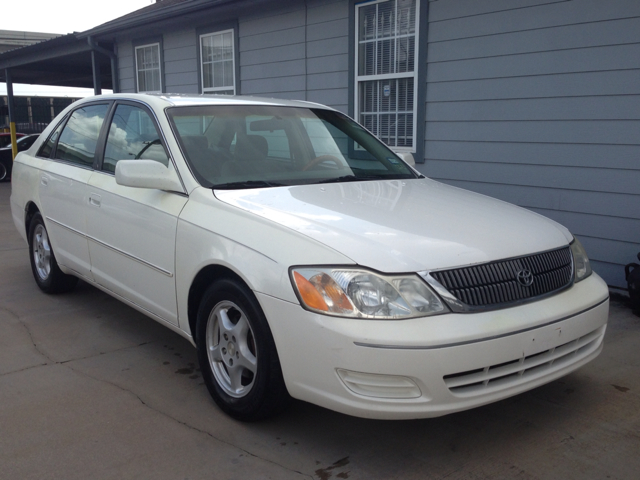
164, 100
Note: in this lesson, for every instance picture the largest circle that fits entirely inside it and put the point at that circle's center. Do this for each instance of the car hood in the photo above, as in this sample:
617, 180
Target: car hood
403, 225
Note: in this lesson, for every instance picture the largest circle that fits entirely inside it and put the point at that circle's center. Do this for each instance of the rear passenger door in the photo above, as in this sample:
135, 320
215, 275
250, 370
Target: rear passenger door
63, 184
132, 230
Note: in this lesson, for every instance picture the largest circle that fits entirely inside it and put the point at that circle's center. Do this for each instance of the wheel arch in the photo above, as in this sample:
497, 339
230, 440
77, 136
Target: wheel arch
204, 278
30, 210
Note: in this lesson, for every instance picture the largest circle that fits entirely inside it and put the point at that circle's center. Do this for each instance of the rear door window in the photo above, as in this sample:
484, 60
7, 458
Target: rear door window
78, 140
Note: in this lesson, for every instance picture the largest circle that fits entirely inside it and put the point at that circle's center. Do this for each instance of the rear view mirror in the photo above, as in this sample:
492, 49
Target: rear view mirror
407, 157
147, 174
268, 125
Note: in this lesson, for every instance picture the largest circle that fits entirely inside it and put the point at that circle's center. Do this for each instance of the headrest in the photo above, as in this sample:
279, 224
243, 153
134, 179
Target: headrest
195, 141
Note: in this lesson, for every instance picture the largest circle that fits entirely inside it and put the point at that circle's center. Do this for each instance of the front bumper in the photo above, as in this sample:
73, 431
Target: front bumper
433, 366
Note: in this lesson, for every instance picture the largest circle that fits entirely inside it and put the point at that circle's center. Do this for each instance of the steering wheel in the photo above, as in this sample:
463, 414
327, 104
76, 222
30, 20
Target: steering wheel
320, 159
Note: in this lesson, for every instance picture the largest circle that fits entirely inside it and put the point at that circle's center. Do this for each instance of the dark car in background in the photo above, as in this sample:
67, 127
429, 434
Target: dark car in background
6, 160
5, 139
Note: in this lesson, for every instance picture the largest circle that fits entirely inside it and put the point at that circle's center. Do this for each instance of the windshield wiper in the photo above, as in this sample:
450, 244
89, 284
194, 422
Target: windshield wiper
354, 178
343, 178
246, 184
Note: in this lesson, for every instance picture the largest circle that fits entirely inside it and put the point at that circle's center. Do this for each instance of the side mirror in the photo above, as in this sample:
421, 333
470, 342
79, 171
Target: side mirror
407, 157
147, 174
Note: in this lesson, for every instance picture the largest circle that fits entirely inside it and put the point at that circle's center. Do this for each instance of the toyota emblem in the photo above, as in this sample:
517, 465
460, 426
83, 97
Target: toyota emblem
525, 278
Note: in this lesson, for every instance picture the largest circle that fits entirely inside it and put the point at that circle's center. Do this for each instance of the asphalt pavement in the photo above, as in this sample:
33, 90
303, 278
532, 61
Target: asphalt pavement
92, 389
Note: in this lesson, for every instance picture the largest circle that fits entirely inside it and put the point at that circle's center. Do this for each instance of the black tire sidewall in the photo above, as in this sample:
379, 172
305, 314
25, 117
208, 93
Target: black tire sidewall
268, 385
57, 281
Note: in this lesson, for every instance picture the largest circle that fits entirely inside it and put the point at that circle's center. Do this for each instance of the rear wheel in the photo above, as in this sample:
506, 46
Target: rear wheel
3, 172
237, 354
44, 266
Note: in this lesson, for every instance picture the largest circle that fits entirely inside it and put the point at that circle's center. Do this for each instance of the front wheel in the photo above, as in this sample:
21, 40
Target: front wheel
237, 354
44, 266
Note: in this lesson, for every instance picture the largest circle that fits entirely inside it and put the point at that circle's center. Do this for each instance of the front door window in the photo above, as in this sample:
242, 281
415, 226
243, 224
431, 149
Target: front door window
132, 135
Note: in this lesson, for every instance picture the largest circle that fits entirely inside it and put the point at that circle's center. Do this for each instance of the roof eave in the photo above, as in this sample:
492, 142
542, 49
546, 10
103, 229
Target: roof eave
151, 16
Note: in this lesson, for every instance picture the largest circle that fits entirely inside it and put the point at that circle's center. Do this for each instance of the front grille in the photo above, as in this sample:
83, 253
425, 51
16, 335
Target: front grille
507, 374
497, 283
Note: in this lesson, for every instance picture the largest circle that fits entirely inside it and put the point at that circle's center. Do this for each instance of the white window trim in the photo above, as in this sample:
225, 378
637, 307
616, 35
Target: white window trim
362, 78
157, 44
233, 59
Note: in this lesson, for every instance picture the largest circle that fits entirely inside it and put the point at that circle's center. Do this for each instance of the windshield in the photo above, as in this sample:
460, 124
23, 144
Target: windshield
249, 146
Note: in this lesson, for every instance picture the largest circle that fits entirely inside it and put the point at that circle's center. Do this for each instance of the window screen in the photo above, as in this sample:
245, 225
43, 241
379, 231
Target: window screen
148, 68
385, 70
217, 57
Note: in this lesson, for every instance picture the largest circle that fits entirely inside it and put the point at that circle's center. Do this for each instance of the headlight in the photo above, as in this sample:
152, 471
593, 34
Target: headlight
581, 264
359, 293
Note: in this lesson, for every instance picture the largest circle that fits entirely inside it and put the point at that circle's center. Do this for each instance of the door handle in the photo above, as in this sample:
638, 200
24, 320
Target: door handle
94, 200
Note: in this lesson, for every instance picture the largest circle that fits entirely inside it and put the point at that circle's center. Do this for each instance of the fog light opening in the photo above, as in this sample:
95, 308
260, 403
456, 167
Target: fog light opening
379, 386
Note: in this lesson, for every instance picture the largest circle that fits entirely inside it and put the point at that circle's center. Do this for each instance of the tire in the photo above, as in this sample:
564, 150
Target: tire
237, 354
44, 266
3, 172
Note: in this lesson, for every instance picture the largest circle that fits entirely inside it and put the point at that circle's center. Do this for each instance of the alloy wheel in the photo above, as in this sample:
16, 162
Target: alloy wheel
42, 252
231, 349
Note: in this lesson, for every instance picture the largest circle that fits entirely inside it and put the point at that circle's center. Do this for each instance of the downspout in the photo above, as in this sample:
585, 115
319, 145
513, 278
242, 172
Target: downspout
114, 62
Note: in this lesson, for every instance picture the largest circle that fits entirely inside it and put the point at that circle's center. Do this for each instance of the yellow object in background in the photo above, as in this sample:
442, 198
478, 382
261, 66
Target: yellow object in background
14, 145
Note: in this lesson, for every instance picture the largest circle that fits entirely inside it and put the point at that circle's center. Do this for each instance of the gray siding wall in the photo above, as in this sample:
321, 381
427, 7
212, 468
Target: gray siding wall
126, 66
297, 53
180, 61
537, 102
179, 72
292, 52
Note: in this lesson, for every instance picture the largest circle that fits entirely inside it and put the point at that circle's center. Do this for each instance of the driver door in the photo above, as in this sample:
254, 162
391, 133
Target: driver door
132, 231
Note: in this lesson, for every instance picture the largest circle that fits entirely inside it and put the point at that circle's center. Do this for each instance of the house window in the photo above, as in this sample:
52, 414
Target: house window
148, 68
386, 70
217, 67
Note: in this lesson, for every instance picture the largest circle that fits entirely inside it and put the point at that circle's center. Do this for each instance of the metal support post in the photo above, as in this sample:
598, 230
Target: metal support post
114, 62
12, 116
97, 79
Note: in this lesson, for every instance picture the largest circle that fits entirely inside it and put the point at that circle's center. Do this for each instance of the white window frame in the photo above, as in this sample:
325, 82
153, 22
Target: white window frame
393, 76
138, 70
233, 62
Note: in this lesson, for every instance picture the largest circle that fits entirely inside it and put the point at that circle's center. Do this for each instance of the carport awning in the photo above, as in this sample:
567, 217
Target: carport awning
63, 61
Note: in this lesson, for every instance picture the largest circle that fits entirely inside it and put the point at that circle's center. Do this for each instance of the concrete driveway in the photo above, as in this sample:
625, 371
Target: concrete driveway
90, 388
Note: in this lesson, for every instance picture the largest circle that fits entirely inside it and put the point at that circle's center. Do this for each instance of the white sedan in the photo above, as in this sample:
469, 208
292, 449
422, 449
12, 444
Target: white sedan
303, 258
